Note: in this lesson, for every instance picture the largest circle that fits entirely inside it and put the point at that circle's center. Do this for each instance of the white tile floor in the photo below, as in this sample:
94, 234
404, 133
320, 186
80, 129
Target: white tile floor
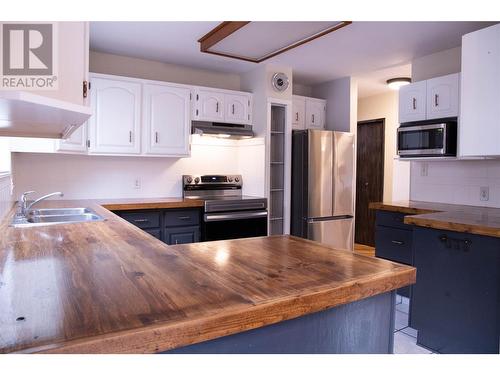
405, 338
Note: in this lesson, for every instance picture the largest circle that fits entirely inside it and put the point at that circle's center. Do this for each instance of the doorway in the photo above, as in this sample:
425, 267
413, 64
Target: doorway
369, 177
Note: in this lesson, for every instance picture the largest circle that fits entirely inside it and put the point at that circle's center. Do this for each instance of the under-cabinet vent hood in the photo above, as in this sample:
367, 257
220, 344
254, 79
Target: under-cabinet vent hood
222, 130
24, 114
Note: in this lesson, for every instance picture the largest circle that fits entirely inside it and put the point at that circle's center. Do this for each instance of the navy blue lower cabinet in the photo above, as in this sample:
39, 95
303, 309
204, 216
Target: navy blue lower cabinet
393, 241
362, 327
180, 235
456, 300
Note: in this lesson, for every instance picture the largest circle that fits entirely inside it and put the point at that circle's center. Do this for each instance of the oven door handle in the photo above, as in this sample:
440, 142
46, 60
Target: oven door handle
235, 216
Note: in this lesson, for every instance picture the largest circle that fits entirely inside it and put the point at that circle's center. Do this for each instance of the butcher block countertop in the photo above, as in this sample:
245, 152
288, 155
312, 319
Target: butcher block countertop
109, 287
149, 203
459, 218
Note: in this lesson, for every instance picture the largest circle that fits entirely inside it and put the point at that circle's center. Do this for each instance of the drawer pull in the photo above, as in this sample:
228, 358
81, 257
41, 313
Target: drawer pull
396, 242
455, 242
141, 220
184, 217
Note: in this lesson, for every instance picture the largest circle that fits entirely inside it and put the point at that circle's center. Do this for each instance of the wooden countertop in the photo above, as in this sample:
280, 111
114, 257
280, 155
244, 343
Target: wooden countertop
109, 287
459, 218
148, 203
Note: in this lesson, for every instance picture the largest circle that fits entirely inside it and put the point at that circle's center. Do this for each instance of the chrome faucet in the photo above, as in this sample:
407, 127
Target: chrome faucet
25, 207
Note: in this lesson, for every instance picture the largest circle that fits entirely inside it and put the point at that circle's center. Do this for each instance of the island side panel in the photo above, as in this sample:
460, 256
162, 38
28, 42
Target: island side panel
362, 327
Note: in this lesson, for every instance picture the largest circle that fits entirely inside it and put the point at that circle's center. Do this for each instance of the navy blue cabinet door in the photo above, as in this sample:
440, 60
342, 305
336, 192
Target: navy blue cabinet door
456, 300
180, 235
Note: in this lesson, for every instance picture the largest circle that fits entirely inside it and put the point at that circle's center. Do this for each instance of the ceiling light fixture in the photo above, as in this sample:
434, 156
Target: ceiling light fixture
396, 83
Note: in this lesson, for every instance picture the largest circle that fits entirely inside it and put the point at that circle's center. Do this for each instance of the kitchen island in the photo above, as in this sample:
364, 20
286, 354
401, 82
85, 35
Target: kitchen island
109, 287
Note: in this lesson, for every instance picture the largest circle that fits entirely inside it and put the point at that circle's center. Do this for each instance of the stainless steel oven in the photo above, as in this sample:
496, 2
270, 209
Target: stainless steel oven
227, 213
428, 139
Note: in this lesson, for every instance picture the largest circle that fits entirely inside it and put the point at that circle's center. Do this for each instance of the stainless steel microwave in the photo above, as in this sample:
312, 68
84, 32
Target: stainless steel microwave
429, 139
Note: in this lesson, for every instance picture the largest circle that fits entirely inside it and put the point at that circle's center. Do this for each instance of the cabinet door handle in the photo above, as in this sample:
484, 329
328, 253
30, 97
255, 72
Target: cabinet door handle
313, 119
233, 109
217, 107
156, 137
396, 242
183, 218
130, 136
414, 103
141, 220
176, 242
296, 116
436, 100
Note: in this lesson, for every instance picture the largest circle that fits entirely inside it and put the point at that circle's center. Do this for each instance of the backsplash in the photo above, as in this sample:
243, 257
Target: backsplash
94, 177
6, 199
456, 182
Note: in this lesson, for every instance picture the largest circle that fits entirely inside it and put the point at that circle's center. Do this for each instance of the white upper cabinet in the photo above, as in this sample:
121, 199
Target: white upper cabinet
76, 143
166, 119
298, 113
315, 113
115, 126
237, 108
443, 96
209, 105
222, 106
479, 128
412, 102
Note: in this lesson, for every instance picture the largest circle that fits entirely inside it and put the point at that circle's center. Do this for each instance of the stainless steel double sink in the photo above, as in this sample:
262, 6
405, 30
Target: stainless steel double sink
50, 216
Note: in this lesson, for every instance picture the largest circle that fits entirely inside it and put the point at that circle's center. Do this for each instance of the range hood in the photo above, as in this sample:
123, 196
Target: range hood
222, 130
24, 114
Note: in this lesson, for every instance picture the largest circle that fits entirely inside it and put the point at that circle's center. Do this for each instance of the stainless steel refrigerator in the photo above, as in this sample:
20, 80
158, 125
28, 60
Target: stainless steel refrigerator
322, 207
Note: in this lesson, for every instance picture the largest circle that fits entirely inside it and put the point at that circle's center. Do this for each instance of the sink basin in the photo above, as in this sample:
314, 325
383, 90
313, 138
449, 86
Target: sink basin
60, 211
64, 218
49, 216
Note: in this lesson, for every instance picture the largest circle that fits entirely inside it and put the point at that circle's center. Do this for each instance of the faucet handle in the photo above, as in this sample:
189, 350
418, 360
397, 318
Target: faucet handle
25, 194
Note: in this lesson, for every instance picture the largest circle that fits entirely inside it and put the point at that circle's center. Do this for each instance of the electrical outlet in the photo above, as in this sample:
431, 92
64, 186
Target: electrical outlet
484, 193
424, 169
137, 183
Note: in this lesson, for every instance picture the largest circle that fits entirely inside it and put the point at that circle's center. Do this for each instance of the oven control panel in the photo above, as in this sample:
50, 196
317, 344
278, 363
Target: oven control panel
212, 179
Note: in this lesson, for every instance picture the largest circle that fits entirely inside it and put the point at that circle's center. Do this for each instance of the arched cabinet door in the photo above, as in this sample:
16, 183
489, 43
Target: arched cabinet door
166, 119
115, 126
209, 105
238, 108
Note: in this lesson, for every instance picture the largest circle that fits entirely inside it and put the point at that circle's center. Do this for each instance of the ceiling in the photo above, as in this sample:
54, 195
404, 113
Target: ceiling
361, 49
375, 82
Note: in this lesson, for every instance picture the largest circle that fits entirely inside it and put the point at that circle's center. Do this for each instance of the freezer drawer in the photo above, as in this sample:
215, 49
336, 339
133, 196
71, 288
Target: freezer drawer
337, 233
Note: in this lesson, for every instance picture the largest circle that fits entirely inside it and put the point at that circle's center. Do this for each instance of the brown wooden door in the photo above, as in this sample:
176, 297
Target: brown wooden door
369, 177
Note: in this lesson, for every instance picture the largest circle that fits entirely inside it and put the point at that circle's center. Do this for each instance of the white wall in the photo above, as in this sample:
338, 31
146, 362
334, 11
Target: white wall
438, 64
456, 182
107, 63
341, 97
396, 173
81, 176
302, 90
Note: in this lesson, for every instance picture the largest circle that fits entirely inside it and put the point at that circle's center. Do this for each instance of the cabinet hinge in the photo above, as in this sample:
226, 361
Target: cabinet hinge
88, 143
86, 88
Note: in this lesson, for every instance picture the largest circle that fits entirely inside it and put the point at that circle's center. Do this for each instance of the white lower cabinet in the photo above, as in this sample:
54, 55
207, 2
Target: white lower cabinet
115, 125
166, 119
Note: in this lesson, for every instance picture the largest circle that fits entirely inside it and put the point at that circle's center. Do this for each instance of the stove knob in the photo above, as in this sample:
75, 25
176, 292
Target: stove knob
230, 179
237, 179
196, 180
189, 180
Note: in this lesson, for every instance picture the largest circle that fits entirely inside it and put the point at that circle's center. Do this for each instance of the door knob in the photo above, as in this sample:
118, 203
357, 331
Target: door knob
366, 183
